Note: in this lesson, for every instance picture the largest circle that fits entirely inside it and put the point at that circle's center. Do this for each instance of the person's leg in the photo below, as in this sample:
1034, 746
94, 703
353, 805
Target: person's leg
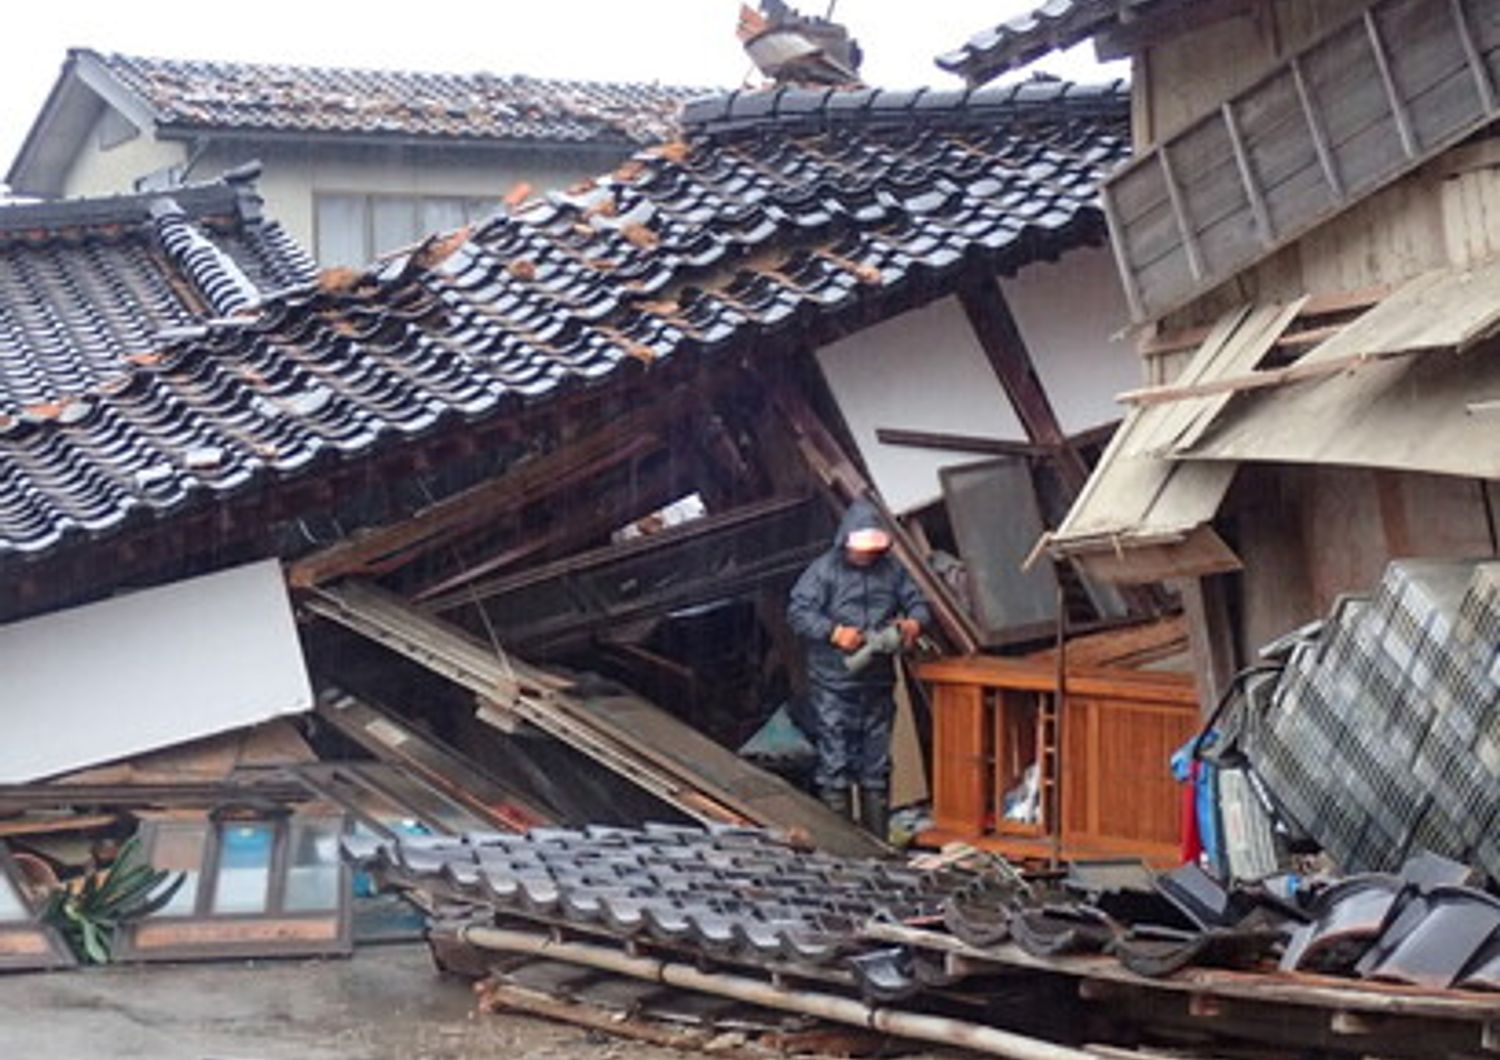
834, 772
874, 762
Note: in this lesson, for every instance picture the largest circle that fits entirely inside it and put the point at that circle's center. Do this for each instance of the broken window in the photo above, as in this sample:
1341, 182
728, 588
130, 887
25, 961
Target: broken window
255, 887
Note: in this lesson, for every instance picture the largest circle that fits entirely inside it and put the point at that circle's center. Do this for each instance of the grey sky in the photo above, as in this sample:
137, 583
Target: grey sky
683, 41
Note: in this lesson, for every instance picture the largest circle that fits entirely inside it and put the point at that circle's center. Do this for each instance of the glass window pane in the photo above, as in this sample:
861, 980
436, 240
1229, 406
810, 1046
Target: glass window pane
340, 230
179, 848
441, 215
312, 874
393, 222
11, 905
244, 868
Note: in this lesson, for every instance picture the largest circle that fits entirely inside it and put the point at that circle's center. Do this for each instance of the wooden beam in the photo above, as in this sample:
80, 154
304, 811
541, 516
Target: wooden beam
566, 467
1483, 82
1253, 193
1315, 130
963, 443
1185, 230
1270, 377
1000, 338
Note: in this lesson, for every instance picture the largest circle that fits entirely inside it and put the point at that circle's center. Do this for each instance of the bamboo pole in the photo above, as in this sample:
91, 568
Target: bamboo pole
912, 1025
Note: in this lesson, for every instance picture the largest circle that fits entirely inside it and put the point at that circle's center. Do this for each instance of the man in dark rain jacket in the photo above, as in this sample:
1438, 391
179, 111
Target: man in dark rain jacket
852, 591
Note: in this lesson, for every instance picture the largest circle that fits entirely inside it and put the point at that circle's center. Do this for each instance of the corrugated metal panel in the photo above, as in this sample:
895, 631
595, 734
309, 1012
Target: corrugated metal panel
143, 671
1345, 116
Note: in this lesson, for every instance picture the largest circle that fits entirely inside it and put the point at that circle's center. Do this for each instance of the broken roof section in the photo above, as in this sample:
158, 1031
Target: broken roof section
1052, 26
188, 98
784, 216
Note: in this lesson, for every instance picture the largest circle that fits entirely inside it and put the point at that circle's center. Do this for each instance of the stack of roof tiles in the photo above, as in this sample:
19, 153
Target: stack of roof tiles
781, 214
1383, 735
735, 893
189, 95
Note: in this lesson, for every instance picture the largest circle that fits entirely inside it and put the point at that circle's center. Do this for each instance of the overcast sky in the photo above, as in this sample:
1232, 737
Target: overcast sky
682, 41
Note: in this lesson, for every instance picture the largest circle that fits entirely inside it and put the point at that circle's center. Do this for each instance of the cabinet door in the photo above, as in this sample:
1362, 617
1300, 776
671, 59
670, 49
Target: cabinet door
960, 753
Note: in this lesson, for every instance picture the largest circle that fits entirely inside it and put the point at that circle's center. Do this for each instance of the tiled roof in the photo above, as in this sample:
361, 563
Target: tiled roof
88, 285
196, 95
789, 213
1052, 26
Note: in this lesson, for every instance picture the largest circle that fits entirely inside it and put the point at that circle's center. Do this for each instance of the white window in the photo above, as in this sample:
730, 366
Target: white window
355, 229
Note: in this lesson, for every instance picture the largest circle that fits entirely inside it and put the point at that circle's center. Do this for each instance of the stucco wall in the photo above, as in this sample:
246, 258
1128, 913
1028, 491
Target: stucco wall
924, 370
294, 173
113, 171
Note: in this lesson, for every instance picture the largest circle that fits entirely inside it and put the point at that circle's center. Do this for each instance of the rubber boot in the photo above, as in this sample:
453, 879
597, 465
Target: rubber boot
837, 800
875, 812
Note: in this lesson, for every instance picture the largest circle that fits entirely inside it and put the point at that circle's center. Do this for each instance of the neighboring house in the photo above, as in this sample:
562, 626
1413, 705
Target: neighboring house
1298, 165
356, 162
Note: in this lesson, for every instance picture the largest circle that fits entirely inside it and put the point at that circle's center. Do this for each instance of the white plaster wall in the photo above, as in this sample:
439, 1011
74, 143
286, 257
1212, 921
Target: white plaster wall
113, 171
1070, 312
293, 173
925, 371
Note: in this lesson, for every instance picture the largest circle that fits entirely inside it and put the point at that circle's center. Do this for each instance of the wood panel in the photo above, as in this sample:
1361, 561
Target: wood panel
959, 782
1118, 797
1348, 114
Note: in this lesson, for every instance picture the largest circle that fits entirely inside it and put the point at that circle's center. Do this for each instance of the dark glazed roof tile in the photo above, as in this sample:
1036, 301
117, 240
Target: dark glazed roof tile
157, 354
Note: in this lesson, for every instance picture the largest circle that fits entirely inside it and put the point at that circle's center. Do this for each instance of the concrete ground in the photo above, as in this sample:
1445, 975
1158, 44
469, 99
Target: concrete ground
385, 1003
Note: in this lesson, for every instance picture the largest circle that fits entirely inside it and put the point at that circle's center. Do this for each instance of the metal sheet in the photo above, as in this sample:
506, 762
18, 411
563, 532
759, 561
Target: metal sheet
157, 667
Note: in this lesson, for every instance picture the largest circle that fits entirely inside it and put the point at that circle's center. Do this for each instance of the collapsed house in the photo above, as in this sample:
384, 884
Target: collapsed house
459, 457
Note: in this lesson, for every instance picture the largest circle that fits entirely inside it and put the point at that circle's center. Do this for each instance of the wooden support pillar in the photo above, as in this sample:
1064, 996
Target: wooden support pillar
1000, 338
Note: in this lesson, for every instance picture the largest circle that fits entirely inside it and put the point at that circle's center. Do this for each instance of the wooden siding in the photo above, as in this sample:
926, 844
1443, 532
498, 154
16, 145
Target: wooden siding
1319, 133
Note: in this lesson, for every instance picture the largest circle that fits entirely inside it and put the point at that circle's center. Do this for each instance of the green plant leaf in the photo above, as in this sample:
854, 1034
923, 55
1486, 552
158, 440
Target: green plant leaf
94, 945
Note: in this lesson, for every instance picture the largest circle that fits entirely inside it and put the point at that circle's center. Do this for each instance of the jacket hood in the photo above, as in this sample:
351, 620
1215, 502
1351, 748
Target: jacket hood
861, 515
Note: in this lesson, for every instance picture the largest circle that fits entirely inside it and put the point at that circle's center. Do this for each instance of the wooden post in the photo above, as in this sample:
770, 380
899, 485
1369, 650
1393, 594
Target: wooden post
1003, 345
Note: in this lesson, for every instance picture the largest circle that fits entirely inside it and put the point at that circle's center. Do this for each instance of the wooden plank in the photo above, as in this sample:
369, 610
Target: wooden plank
1388, 82
1199, 552
1118, 249
1024, 675
1483, 83
1247, 176
622, 732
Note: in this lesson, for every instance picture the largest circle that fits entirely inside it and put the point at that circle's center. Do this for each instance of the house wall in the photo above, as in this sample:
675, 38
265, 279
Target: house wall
113, 170
295, 172
1309, 534
924, 370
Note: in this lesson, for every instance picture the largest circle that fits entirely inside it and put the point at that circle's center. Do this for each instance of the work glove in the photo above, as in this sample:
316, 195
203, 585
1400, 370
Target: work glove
910, 630
847, 638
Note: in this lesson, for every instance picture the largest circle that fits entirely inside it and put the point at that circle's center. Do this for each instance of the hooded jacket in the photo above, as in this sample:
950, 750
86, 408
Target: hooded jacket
834, 592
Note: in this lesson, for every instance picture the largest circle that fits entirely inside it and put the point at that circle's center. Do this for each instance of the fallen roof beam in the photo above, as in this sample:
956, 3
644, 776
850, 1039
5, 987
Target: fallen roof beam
622, 732
962, 443
566, 467
1004, 346
831, 466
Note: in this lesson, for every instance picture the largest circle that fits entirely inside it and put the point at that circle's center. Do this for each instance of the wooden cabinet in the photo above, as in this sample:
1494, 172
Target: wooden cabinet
1101, 751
